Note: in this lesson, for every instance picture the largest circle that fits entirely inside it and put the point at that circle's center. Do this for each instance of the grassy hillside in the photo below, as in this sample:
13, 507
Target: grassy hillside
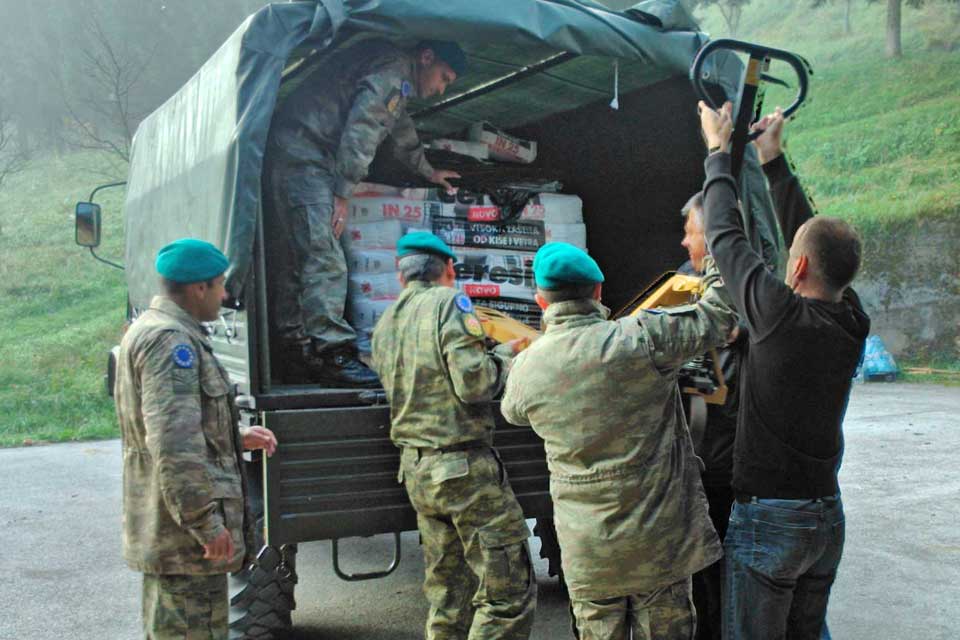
878, 143
60, 310
878, 140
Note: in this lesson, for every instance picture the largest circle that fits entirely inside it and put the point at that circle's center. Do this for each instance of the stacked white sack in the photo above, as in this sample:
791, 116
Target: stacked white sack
483, 273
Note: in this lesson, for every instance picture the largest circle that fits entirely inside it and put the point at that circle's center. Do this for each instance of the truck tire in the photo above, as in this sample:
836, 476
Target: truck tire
549, 546
262, 595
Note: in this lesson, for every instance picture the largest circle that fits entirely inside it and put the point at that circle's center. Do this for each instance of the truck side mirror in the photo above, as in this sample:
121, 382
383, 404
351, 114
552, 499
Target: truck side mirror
88, 224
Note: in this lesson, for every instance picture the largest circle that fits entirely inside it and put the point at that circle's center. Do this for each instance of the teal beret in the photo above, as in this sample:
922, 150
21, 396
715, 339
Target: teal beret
190, 260
449, 52
423, 242
559, 264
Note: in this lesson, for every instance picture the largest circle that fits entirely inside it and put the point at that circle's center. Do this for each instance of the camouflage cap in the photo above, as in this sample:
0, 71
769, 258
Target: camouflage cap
449, 52
423, 242
558, 264
190, 260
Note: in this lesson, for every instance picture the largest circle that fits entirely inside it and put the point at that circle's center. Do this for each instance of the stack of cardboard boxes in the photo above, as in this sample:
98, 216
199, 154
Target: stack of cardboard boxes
495, 257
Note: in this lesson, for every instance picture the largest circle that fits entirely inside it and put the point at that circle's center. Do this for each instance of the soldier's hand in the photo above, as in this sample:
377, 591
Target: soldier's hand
518, 344
339, 219
716, 126
441, 176
220, 549
769, 145
258, 438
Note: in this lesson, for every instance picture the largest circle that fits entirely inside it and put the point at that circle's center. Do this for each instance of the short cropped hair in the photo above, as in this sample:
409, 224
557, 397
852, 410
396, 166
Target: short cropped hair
570, 292
695, 203
425, 267
836, 250
172, 288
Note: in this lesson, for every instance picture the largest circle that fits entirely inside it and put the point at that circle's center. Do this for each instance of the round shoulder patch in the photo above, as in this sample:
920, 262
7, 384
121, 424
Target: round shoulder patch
406, 88
183, 356
464, 303
472, 326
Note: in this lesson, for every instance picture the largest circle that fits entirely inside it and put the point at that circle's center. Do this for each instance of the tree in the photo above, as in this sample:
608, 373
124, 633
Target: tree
847, 6
894, 45
731, 10
107, 114
13, 154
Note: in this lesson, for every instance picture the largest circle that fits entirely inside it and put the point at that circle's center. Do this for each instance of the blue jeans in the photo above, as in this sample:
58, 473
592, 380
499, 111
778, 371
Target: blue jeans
781, 558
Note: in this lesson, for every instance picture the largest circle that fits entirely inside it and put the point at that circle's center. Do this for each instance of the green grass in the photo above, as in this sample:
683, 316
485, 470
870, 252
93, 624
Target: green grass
878, 140
60, 310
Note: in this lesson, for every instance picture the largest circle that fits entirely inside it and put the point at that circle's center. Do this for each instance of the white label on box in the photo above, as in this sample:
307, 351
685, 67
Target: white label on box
552, 208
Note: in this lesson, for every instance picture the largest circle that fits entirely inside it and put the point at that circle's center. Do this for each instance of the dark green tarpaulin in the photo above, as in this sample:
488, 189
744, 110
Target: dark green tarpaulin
196, 161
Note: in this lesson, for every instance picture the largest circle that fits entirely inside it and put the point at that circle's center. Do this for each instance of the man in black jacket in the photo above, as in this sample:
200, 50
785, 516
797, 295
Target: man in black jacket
806, 335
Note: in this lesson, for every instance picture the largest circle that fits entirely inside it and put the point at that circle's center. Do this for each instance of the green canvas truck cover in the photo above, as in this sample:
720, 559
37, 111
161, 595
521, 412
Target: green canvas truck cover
196, 161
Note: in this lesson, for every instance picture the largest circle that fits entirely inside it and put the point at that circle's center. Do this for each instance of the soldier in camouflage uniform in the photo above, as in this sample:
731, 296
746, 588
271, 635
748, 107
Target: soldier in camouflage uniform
183, 491
428, 349
321, 142
629, 508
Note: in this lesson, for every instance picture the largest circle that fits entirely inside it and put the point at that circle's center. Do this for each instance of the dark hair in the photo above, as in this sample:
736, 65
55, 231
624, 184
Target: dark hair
449, 52
835, 248
695, 202
425, 267
569, 292
172, 288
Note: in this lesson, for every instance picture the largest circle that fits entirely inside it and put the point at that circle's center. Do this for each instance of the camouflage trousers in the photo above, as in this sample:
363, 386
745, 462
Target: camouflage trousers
185, 607
479, 578
307, 269
664, 614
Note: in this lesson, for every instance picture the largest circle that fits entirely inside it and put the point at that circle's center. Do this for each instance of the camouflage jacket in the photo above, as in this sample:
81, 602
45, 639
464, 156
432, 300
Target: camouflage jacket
182, 482
333, 123
630, 511
428, 349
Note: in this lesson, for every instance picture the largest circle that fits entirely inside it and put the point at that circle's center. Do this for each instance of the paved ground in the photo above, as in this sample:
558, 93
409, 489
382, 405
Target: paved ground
62, 576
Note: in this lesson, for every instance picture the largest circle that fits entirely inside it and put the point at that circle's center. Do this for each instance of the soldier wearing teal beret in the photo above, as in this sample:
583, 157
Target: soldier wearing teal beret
185, 525
430, 353
423, 242
190, 260
630, 512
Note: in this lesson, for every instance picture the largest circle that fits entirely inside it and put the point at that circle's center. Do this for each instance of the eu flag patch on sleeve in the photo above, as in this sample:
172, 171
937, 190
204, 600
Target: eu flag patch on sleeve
183, 356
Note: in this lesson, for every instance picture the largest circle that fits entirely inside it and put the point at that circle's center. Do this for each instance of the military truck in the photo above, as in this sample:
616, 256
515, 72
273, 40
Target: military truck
606, 96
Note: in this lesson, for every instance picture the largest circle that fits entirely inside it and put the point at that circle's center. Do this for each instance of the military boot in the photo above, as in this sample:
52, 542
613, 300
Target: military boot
339, 368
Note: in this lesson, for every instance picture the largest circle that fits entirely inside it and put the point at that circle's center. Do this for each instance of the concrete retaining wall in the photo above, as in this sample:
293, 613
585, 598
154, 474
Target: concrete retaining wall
910, 285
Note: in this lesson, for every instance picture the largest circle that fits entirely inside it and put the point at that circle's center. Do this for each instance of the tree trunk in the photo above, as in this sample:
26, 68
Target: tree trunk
847, 30
894, 49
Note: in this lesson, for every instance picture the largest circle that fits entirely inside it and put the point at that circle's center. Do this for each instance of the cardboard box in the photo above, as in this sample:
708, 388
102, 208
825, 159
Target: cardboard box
517, 236
495, 274
374, 235
375, 286
370, 261
478, 150
551, 208
502, 145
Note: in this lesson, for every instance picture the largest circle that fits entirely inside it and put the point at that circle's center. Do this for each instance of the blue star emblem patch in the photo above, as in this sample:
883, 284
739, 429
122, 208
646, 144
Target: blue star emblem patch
183, 356
464, 303
406, 89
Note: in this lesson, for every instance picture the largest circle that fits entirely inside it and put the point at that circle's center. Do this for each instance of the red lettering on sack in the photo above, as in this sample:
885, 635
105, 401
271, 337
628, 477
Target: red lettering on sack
483, 214
481, 290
